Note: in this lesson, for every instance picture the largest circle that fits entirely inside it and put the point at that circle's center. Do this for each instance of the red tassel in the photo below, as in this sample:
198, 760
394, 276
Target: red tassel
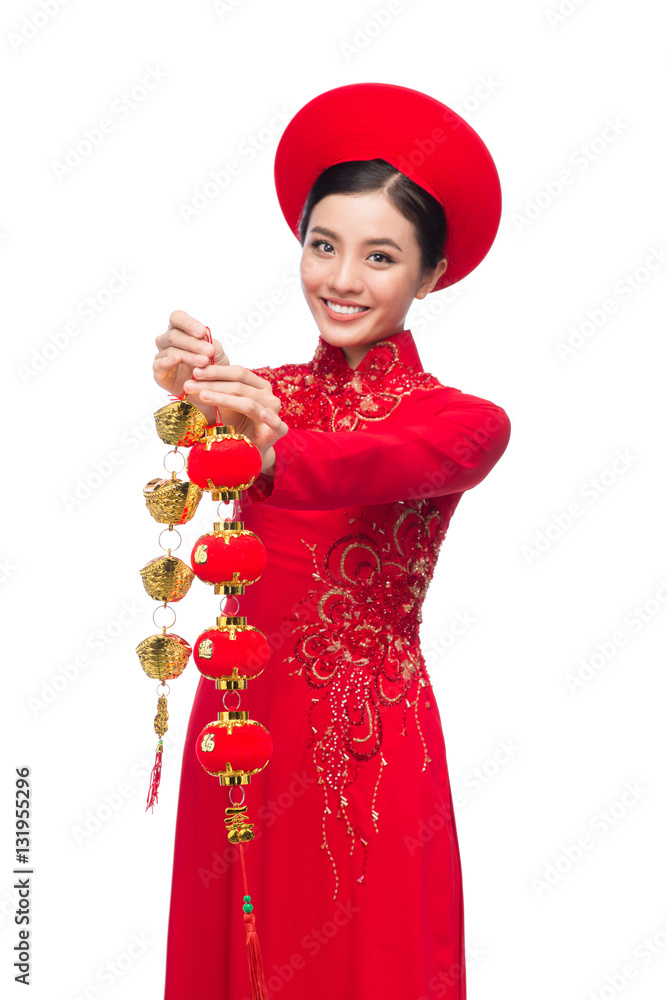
257, 981
156, 774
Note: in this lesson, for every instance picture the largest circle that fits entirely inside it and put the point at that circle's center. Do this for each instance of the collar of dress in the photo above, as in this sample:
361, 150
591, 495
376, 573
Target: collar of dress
329, 362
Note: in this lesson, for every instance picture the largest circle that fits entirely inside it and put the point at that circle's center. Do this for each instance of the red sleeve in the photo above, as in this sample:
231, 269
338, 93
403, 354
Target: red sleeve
438, 448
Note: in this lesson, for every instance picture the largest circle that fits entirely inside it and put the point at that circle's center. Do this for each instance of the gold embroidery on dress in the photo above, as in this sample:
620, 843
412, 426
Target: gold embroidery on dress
326, 394
359, 649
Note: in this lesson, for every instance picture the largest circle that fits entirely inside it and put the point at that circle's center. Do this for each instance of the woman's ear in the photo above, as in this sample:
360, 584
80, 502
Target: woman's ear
431, 277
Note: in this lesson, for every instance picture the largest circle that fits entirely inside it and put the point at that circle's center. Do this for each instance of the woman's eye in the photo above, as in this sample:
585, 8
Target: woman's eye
327, 247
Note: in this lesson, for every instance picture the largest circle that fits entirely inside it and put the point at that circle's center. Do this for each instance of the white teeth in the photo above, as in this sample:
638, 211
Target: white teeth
345, 309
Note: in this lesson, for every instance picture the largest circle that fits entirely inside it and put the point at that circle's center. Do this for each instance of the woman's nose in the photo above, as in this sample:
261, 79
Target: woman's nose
344, 275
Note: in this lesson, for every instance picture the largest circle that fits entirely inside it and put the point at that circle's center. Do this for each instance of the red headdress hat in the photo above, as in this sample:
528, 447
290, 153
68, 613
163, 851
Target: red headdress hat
424, 139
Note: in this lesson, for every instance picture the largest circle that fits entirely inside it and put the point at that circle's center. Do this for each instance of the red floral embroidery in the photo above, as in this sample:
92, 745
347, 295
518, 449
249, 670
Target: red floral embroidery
326, 394
360, 651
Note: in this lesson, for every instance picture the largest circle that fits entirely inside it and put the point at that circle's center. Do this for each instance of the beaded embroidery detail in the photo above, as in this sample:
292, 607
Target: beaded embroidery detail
326, 394
359, 650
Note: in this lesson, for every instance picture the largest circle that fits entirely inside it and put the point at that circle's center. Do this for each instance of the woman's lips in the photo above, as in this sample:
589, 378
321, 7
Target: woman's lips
342, 317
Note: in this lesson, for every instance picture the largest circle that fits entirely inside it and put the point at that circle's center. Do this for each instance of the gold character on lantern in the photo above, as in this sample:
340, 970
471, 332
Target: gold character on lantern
206, 649
208, 743
201, 554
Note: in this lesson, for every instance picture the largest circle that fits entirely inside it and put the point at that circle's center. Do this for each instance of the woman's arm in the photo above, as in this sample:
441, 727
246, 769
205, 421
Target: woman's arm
448, 442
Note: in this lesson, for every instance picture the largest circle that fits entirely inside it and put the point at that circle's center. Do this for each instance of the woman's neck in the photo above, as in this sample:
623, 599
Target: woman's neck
354, 354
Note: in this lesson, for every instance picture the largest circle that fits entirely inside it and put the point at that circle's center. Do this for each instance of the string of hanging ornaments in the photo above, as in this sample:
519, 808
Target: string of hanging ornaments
233, 747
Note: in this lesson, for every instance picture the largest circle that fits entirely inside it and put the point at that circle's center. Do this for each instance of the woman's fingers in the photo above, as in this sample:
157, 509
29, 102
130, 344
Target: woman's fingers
273, 421
202, 383
232, 374
186, 338
181, 320
162, 361
194, 352
166, 360
212, 393
252, 408
184, 346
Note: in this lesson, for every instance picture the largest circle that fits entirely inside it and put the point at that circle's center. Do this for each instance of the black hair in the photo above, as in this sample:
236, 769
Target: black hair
414, 202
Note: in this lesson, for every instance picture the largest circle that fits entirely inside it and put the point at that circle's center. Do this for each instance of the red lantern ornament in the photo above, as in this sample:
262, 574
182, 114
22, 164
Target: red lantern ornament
224, 462
230, 557
234, 748
231, 652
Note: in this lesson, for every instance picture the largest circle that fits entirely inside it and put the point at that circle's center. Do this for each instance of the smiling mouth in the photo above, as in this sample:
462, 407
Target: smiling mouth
347, 310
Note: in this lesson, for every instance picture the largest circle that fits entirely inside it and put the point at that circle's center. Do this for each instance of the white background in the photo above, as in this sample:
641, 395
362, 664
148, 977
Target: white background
541, 89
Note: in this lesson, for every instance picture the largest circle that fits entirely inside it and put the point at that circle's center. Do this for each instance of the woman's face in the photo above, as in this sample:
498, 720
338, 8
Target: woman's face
359, 250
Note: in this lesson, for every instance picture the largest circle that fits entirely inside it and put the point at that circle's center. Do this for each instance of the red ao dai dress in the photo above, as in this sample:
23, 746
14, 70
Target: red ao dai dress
350, 900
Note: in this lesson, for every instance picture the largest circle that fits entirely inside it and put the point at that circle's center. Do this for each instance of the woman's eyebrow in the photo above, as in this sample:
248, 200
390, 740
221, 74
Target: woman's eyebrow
371, 243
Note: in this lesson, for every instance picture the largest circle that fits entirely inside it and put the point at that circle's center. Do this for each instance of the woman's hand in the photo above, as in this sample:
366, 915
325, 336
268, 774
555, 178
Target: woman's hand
187, 362
181, 348
243, 400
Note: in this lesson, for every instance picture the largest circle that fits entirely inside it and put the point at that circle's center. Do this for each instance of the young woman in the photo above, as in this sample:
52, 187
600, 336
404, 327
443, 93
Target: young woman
355, 863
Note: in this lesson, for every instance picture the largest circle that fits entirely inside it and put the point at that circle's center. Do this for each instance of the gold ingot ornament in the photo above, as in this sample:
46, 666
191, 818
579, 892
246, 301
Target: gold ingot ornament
180, 423
166, 578
164, 656
172, 501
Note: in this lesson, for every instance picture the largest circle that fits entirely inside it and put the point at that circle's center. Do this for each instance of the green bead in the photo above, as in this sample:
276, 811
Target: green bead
247, 907
246, 899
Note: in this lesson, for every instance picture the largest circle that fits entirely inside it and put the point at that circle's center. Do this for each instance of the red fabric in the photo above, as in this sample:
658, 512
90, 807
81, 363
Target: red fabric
354, 871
